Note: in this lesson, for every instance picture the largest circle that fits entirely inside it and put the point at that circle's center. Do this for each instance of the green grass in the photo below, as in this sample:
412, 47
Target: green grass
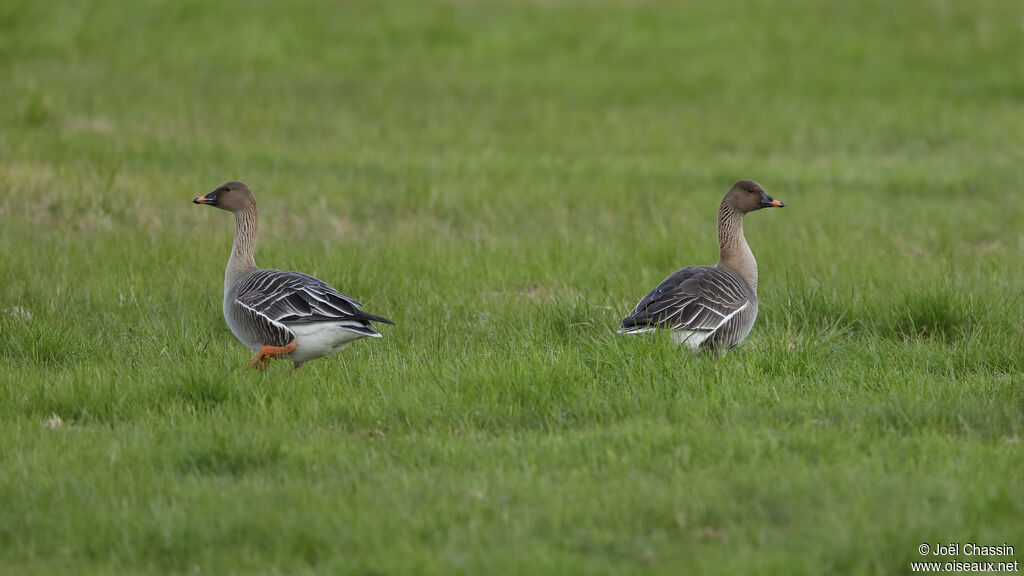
505, 180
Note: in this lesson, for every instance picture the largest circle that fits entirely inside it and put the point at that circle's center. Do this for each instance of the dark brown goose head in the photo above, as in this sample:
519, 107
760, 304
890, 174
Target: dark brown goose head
230, 196
747, 196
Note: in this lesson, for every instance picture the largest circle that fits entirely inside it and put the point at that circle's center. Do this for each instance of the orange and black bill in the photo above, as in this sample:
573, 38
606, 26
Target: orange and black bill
769, 202
210, 199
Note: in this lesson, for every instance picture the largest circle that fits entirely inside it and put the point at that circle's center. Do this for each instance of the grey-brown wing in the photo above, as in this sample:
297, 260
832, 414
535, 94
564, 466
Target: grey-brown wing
296, 298
259, 328
696, 298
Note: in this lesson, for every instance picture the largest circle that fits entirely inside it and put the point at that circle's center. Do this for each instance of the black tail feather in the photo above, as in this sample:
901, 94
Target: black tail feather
374, 318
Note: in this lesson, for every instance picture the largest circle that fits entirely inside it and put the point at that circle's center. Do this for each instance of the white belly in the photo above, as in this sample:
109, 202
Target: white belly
320, 339
691, 338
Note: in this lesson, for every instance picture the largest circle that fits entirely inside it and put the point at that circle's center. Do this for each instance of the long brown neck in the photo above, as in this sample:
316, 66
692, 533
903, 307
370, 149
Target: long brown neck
244, 247
733, 252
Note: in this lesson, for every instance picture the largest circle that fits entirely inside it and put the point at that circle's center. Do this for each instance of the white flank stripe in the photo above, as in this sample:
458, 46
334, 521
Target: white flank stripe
262, 315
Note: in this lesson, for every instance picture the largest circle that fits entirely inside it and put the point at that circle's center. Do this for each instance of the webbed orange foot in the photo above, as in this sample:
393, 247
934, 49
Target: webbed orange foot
263, 357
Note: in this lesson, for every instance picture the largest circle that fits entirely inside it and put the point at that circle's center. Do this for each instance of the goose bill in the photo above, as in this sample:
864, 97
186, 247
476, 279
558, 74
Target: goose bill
209, 200
769, 202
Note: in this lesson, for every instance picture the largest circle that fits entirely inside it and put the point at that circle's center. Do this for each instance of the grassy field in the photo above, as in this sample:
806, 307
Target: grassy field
505, 180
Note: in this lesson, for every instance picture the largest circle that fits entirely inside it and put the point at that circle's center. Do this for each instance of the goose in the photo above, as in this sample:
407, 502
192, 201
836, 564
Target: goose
277, 313
710, 307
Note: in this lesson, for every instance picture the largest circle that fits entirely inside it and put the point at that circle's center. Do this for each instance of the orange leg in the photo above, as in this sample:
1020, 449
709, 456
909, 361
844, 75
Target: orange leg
262, 358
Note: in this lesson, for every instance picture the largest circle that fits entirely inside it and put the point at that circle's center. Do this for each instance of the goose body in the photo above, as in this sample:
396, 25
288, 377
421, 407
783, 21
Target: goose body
274, 307
702, 305
279, 313
710, 307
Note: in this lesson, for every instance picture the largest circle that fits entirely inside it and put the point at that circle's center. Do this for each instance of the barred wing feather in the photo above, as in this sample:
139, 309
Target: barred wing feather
694, 299
262, 328
294, 298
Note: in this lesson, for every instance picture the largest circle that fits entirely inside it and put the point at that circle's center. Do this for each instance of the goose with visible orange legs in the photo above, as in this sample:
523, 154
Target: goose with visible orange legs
277, 313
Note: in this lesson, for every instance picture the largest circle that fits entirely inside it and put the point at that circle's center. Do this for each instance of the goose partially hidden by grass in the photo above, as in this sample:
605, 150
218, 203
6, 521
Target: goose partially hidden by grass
710, 307
277, 313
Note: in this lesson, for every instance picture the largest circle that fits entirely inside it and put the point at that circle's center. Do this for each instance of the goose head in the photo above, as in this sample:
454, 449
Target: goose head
747, 196
230, 196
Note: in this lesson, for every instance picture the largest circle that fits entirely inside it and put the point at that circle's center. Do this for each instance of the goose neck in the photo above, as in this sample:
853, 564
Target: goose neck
243, 250
734, 252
